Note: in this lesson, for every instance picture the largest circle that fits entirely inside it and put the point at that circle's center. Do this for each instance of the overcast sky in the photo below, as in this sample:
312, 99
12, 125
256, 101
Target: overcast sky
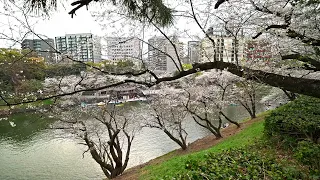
60, 23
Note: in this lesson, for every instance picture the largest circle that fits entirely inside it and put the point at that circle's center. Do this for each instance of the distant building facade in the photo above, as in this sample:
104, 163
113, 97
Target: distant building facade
81, 47
43, 48
224, 47
258, 50
123, 48
193, 51
162, 56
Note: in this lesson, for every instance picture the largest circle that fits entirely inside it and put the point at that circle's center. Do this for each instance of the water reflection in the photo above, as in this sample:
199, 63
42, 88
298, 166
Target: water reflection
27, 125
31, 151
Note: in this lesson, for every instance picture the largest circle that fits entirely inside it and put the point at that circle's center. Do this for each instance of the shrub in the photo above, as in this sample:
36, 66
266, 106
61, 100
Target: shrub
64, 69
299, 119
243, 163
309, 153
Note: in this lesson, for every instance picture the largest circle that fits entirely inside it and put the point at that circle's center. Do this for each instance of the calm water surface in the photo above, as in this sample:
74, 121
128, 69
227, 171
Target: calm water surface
30, 151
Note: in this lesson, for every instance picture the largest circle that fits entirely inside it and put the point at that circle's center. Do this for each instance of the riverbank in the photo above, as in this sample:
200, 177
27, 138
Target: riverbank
5, 111
142, 171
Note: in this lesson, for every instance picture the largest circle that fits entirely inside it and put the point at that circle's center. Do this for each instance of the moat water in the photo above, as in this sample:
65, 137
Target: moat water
32, 151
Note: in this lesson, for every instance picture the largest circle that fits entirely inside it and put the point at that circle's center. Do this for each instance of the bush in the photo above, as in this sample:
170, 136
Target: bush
241, 163
299, 119
64, 69
309, 153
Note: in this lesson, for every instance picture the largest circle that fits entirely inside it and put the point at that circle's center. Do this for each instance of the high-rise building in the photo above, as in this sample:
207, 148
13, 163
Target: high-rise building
162, 55
223, 45
223, 48
193, 51
43, 48
81, 47
123, 48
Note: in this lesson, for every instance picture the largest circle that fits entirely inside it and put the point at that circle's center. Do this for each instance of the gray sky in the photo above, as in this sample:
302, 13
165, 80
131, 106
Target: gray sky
58, 23
61, 23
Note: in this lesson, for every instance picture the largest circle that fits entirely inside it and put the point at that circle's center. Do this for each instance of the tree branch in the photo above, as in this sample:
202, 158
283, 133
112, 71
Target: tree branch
303, 58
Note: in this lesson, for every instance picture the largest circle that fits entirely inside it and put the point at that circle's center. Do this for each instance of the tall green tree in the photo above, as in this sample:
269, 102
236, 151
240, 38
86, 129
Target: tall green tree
18, 72
145, 10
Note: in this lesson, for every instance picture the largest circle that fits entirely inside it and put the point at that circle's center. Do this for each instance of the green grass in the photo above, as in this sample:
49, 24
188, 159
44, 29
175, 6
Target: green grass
177, 164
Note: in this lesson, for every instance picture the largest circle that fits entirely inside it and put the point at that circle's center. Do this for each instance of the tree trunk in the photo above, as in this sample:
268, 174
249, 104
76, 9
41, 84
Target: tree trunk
219, 135
228, 119
181, 143
253, 104
292, 96
116, 172
246, 106
253, 110
214, 130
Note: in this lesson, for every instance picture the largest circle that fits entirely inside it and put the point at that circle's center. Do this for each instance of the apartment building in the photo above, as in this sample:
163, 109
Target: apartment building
43, 48
123, 48
193, 51
81, 47
222, 48
162, 56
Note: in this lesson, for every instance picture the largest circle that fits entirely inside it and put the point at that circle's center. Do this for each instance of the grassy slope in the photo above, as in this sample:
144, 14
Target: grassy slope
176, 164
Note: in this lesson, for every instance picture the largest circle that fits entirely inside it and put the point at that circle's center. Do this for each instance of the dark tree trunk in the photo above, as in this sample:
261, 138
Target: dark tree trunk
246, 106
292, 96
228, 119
181, 143
209, 126
110, 169
253, 104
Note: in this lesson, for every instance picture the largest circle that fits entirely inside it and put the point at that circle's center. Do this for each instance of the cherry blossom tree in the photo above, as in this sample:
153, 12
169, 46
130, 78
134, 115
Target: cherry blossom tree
207, 98
106, 131
167, 113
218, 90
204, 114
247, 95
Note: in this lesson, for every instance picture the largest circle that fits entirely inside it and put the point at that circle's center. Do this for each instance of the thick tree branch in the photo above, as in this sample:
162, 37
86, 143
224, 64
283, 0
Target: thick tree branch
307, 40
303, 58
304, 86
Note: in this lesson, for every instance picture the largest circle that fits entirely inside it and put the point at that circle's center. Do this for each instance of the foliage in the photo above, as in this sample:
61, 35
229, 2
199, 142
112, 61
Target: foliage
297, 125
16, 67
113, 67
31, 85
299, 119
187, 66
309, 153
238, 157
64, 70
148, 11
242, 163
